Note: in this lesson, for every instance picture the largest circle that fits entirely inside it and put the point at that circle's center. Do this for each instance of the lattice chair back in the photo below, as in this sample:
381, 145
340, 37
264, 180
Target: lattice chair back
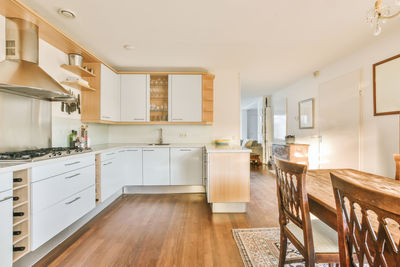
368, 223
293, 200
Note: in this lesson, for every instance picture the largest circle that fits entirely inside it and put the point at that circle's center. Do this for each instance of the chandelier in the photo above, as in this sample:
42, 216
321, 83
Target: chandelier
382, 12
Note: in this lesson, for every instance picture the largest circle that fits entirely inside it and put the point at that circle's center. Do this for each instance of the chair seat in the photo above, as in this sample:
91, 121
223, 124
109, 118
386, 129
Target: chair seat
325, 238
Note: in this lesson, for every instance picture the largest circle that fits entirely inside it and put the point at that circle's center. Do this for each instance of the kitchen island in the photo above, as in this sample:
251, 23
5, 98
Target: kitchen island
228, 178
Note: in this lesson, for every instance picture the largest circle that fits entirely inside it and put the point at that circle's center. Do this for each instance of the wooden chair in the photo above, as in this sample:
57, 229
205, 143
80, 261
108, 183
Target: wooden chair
368, 224
397, 161
315, 240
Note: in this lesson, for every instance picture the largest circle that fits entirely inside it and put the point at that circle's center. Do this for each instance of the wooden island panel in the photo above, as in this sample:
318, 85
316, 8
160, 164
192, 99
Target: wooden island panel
229, 175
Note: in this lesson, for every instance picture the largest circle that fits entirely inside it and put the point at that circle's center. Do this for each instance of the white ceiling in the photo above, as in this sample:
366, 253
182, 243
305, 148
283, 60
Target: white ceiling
271, 43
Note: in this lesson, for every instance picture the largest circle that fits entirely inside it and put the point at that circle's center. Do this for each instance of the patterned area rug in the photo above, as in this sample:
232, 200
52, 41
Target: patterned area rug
259, 247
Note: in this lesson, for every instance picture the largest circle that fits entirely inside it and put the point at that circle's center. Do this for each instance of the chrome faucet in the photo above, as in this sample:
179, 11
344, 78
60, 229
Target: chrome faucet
161, 137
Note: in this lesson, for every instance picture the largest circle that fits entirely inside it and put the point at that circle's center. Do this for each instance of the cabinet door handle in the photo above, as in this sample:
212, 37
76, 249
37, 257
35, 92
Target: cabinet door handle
72, 201
109, 154
105, 164
148, 149
132, 150
178, 119
185, 149
6, 198
72, 176
106, 117
136, 119
73, 163
121, 151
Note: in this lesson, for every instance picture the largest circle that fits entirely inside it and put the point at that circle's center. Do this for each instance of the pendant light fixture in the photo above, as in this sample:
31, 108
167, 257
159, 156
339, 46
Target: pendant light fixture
382, 12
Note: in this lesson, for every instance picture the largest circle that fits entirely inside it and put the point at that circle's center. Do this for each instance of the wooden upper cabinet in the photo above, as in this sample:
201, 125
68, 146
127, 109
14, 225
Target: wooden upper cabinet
135, 97
185, 98
208, 98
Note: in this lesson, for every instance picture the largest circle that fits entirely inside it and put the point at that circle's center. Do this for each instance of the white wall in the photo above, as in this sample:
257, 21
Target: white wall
226, 119
379, 135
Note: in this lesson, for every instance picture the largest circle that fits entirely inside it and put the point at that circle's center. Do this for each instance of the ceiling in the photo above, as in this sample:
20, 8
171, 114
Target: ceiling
271, 43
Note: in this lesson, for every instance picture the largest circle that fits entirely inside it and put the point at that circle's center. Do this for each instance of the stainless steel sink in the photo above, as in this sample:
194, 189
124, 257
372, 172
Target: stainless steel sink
155, 144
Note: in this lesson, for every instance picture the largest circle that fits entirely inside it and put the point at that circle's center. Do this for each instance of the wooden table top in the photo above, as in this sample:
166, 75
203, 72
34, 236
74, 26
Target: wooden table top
320, 191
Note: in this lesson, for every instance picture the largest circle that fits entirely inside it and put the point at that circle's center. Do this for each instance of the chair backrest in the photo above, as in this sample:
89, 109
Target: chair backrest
293, 200
397, 161
367, 222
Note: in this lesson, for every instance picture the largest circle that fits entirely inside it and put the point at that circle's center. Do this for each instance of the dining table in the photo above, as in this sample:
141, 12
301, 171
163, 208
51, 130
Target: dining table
320, 191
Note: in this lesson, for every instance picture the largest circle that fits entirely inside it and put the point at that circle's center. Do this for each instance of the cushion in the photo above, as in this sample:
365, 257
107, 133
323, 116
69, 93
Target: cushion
325, 238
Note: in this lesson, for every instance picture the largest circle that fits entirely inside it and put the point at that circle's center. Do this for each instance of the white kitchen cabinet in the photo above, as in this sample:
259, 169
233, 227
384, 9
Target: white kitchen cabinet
156, 166
187, 166
49, 222
110, 95
185, 98
6, 220
110, 182
132, 168
135, 97
47, 192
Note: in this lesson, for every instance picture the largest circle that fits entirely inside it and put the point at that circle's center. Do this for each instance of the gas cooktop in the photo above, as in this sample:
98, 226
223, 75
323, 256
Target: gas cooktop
40, 154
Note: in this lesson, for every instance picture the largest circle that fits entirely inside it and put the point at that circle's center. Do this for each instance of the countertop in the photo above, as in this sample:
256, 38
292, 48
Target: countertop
14, 166
212, 148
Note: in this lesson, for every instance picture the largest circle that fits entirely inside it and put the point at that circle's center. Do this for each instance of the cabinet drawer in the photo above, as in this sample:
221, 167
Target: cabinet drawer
49, 222
6, 181
108, 155
48, 192
60, 167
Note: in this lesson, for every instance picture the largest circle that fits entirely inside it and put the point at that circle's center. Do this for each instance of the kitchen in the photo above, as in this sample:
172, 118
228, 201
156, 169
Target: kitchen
199, 133
140, 133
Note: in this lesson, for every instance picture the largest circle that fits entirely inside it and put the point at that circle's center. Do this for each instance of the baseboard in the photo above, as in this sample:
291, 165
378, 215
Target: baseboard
170, 189
239, 207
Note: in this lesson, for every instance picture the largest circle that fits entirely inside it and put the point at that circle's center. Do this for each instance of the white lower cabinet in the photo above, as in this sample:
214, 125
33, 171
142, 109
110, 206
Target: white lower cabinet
47, 192
60, 200
186, 166
156, 166
132, 168
49, 222
110, 181
6, 220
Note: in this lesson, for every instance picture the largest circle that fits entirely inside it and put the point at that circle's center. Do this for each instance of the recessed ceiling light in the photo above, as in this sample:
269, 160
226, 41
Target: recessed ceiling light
66, 13
129, 47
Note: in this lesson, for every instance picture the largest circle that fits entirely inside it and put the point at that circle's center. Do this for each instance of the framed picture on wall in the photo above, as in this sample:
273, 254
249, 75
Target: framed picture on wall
306, 114
387, 86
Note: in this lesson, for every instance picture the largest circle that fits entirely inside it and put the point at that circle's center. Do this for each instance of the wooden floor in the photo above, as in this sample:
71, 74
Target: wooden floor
171, 230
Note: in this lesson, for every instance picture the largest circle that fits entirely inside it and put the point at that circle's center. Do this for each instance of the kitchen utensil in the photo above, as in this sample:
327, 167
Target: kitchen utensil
75, 59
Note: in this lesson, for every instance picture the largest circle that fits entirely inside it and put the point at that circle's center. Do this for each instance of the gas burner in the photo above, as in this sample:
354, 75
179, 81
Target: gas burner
40, 154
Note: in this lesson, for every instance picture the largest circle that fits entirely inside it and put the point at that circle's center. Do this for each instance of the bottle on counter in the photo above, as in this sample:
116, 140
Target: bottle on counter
72, 138
84, 137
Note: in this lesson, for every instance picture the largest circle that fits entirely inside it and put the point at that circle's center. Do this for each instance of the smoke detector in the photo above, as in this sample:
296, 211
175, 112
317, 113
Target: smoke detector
66, 13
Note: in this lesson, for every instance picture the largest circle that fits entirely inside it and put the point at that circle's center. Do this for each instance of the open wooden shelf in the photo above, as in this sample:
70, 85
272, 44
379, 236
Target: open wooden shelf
78, 70
20, 204
21, 223
98, 178
20, 238
21, 186
79, 86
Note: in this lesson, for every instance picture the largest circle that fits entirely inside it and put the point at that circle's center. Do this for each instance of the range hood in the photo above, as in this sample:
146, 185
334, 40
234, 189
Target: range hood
20, 73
